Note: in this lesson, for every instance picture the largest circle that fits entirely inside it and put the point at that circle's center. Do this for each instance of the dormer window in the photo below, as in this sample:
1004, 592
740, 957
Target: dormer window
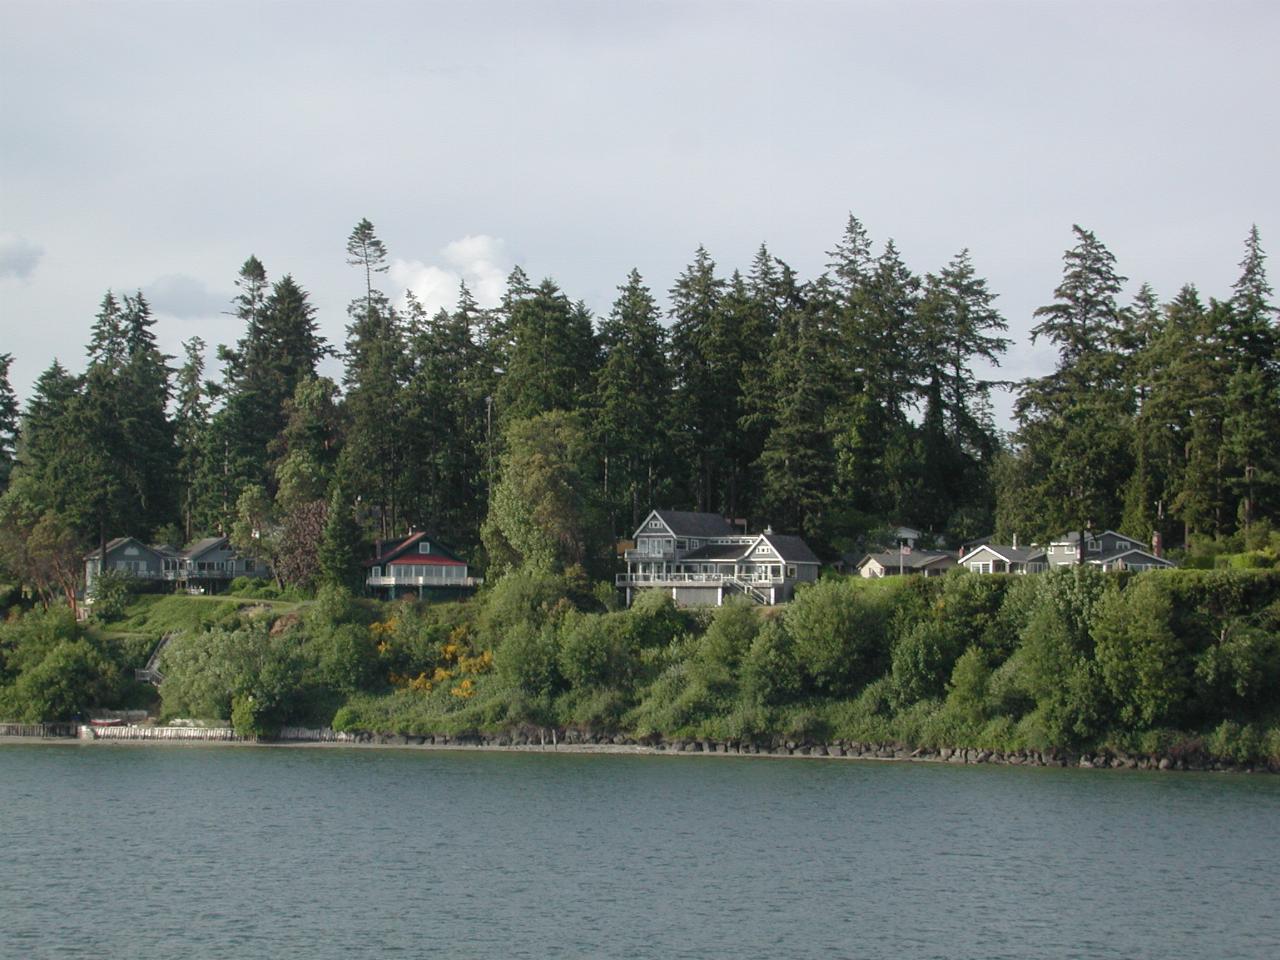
1095, 546
424, 547
655, 524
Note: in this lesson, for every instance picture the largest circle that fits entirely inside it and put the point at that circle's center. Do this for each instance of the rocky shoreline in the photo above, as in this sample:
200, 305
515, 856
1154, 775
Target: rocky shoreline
573, 741
536, 740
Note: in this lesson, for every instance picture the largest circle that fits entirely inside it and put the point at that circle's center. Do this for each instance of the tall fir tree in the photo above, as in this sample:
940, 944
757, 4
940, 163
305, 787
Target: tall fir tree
1077, 418
8, 422
628, 417
373, 458
698, 441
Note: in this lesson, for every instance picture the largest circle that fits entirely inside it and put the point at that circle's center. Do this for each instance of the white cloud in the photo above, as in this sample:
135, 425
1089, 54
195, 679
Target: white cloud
18, 256
185, 297
480, 260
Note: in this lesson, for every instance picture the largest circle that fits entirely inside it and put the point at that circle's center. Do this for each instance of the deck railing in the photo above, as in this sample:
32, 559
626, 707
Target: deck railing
669, 579
424, 581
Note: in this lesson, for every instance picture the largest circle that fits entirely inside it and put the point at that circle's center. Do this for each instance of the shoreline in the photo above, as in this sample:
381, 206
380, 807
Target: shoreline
575, 745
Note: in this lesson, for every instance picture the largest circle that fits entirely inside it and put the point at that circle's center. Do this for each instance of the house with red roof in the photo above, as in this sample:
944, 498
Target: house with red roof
416, 565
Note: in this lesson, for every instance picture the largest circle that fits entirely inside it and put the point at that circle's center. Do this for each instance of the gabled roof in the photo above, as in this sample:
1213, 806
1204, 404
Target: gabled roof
201, 547
790, 548
1147, 556
111, 545
392, 550
1007, 553
687, 523
914, 560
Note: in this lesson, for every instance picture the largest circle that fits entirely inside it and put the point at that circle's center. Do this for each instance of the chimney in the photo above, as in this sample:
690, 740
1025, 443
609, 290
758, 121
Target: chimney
1157, 543
1015, 542
377, 549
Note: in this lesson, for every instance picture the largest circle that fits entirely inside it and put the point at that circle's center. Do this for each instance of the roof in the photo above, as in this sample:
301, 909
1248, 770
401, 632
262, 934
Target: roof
687, 523
111, 545
1117, 554
1009, 553
203, 546
910, 561
392, 550
790, 548
718, 551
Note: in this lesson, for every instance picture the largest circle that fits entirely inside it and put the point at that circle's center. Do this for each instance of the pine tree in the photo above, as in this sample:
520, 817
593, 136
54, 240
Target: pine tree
797, 460
191, 421
552, 357
631, 389
697, 440
339, 554
372, 460
8, 422
1076, 420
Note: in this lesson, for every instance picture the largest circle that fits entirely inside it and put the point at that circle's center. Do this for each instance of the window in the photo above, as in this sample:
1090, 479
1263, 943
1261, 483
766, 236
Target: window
1122, 545
424, 547
375, 573
682, 544
130, 551
791, 571
655, 524
1094, 546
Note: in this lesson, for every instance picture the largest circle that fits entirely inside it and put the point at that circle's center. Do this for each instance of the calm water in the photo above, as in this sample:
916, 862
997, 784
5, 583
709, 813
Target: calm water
194, 852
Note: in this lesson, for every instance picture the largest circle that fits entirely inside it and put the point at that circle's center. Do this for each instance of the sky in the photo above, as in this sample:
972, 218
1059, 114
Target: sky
157, 145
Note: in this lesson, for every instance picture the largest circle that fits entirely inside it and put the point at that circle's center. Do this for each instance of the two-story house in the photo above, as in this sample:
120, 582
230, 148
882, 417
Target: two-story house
200, 567
1108, 549
416, 564
701, 559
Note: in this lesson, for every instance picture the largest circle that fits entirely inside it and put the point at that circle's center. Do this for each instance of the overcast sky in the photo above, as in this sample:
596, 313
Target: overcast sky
157, 145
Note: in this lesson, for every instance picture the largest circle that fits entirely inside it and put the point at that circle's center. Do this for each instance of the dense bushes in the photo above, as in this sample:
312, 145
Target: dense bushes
1168, 660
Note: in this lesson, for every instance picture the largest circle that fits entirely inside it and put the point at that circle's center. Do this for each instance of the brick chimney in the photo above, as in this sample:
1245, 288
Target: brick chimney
1157, 543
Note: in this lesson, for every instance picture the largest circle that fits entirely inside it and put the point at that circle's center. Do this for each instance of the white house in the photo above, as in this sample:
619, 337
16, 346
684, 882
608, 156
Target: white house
701, 559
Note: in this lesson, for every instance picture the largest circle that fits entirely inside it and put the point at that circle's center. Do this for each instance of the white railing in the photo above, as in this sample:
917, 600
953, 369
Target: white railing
424, 581
643, 579
648, 554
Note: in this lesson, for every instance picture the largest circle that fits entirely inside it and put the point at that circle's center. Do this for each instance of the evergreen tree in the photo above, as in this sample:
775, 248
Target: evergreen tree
1076, 420
191, 421
373, 458
797, 459
340, 554
630, 393
8, 422
698, 438
552, 356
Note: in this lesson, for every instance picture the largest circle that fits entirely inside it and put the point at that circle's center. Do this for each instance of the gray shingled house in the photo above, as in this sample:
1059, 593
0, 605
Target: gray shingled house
701, 559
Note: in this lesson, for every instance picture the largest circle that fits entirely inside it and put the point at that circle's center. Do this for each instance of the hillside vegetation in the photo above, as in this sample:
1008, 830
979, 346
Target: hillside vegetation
1155, 662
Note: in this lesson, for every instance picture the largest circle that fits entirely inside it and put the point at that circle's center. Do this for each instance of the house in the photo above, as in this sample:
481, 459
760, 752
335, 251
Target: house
416, 563
701, 559
198, 568
1068, 549
208, 562
1132, 558
1003, 558
929, 563
127, 555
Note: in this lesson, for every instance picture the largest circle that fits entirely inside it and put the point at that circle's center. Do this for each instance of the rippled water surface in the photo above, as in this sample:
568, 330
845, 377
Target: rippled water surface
197, 852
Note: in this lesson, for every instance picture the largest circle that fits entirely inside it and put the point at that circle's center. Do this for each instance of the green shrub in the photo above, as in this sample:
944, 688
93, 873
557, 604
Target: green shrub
840, 633
112, 593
